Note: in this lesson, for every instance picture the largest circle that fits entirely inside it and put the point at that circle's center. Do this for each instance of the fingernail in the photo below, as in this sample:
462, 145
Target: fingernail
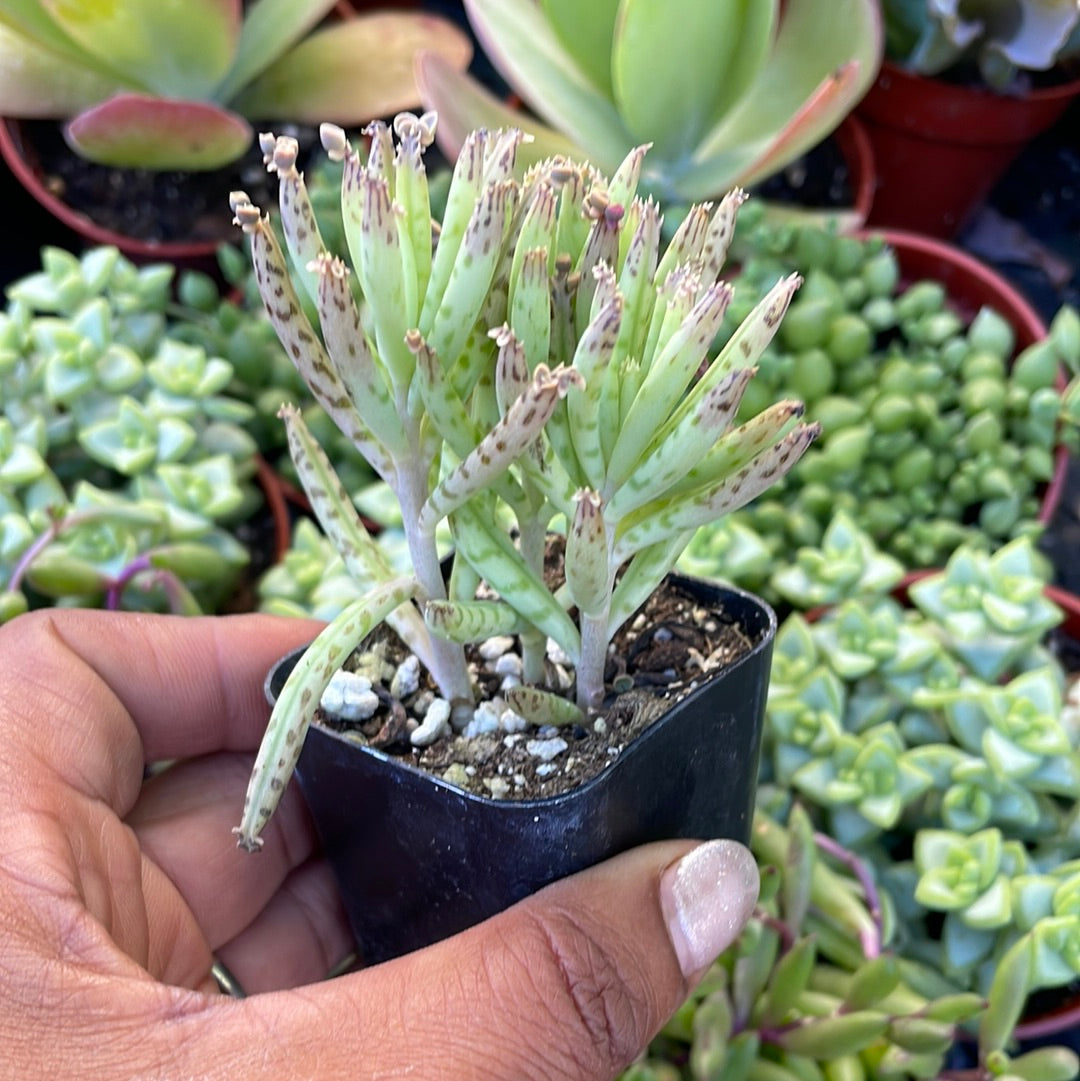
706, 899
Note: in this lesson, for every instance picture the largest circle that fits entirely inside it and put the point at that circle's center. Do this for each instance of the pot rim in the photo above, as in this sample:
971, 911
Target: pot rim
637, 746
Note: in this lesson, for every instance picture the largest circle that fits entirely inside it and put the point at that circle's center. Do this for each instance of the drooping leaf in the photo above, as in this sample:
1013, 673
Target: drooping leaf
136, 130
351, 72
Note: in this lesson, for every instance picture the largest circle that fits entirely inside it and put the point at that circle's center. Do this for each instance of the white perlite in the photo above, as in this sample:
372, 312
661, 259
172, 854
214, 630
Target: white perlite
495, 647
512, 722
407, 677
435, 725
349, 697
546, 749
485, 719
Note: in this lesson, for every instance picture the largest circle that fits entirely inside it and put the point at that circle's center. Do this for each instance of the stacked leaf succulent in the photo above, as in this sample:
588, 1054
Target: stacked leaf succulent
934, 432
726, 92
932, 740
536, 360
997, 40
173, 85
815, 988
125, 459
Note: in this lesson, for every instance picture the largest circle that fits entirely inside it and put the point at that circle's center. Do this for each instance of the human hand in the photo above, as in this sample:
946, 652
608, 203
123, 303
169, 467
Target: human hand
116, 895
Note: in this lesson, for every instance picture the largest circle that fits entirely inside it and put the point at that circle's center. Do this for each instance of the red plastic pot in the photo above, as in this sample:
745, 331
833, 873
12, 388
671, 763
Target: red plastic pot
971, 285
939, 148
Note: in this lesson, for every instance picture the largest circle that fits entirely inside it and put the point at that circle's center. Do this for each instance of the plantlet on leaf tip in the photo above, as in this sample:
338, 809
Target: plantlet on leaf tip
593, 405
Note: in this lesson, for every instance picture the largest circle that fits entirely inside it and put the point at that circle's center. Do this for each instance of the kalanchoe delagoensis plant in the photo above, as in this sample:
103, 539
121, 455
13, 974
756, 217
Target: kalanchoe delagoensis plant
173, 86
535, 360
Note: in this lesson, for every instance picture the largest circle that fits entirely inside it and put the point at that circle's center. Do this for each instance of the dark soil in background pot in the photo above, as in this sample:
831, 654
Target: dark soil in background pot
149, 204
661, 654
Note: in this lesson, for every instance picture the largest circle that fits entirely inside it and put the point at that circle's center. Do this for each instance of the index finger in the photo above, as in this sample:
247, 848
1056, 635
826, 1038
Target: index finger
87, 684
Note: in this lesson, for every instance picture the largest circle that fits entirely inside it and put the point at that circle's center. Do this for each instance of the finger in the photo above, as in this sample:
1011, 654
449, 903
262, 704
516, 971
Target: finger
121, 688
298, 938
570, 984
183, 821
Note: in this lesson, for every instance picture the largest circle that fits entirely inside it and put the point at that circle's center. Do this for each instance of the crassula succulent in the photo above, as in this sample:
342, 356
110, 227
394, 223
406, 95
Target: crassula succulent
168, 85
533, 362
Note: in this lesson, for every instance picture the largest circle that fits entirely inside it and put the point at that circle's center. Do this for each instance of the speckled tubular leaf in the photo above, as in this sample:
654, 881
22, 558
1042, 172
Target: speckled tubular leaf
299, 699
542, 707
360, 372
465, 186
537, 230
653, 523
472, 272
530, 307
739, 446
745, 346
636, 279
686, 246
642, 576
674, 456
511, 369
303, 345
411, 193
666, 381
471, 621
719, 234
444, 407
601, 249
497, 451
586, 563
302, 236
593, 354
492, 554
336, 513
381, 273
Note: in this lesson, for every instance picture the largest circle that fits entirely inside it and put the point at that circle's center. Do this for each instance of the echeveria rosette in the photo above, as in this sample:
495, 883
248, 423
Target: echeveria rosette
727, 92
173, 86
866, 782
991, 607
804, 722
933, 36
846, 563
538, 358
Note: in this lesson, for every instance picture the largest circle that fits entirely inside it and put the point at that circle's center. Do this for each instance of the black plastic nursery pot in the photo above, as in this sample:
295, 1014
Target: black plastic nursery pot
418, 859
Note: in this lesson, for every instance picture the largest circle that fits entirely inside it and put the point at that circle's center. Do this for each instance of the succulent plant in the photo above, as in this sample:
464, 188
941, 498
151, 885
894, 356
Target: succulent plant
815, 986
936, 430
951, 770
126, 463
536, 359
999, 39
173, 86
727, 93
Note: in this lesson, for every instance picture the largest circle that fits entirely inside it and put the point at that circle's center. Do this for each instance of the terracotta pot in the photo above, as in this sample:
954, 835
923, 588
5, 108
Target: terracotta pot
418, 859
854, 142
972, 284
939, 148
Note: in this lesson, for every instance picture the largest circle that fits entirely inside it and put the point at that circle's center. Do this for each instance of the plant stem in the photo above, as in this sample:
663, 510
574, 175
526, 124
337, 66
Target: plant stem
590, 670
871, 945
533, 542
448, 658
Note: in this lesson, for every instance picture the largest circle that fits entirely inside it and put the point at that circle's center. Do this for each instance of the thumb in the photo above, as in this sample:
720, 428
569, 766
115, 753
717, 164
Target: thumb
569, 984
